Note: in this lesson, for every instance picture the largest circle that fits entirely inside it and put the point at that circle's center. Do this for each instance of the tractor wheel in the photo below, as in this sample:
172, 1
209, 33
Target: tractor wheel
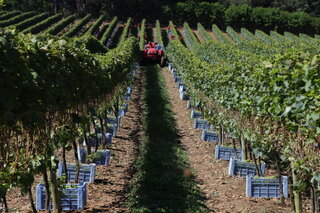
162, 62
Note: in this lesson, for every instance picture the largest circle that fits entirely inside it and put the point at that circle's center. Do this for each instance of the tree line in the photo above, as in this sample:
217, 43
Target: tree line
281, 15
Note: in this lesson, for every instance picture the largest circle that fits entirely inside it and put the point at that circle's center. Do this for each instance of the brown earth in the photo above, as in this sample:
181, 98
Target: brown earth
223, 193
68, 27
228, 37
198, 36
214, 36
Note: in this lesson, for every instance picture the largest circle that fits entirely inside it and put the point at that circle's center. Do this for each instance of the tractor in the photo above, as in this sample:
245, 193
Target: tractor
153, 53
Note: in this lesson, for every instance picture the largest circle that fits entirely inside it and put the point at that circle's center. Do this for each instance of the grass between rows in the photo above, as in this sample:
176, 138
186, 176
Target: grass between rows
163, 181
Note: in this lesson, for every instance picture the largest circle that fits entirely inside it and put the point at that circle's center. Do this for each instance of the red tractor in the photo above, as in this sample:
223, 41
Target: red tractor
153, 53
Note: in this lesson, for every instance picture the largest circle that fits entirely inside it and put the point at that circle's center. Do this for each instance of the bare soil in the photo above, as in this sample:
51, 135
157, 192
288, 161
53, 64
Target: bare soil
214, 36
228, 37
199, 37
223, 193
64, 30
110, 190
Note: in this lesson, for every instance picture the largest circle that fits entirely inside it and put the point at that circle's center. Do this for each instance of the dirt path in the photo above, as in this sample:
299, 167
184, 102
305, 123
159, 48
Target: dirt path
110, 190
223, 193
199, 37
228, 37
102, 28
213, 35
154, 33
66, 29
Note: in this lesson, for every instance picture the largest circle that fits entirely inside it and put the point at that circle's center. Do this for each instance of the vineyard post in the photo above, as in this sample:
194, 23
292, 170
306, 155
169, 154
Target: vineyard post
75, 151
243, 148
103, 138
221, 138
297, 195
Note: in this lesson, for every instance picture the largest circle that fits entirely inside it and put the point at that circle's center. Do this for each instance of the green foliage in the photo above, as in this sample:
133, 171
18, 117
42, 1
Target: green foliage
264, 37
30, 21
16, 19
126, 31
238, 16
234, 35
77, 26
55, 29
92, 44
109, 30
40, 26
159, 39
142, 34
205, 35
9, 15
247, 34
192, 41
220, 34
96, 25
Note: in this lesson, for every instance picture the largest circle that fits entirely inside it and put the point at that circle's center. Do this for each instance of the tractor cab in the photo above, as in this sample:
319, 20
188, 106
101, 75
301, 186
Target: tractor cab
153, 53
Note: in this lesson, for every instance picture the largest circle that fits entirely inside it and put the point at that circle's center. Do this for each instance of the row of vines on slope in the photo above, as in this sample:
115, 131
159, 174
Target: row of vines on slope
51, 86
268, 101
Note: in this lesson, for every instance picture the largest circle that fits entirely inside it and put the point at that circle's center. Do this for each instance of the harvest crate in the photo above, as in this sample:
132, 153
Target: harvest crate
189, 106
170, 66
266, 188
87, 172
74, 197
125, 107
181, 88
209, 136
114, 121
174, 70
127, 96
112, 129
108, 138
129, 90
183, 95
195, 114
103, 156
177, 78
226, 152
243, 169
200, 123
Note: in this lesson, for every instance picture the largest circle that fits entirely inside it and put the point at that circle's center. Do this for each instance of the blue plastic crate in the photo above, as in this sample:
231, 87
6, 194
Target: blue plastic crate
72, 199
195, 114
127, 96
129, 90
112, 129
125, 107
183, 95
121, 113
243, 169
266, 188
189, 106
226, 152
200, 123
209, 136
87, 172
92, 141
104, 156
108, 138
174, 70
177, 79
181, 88
114, 121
